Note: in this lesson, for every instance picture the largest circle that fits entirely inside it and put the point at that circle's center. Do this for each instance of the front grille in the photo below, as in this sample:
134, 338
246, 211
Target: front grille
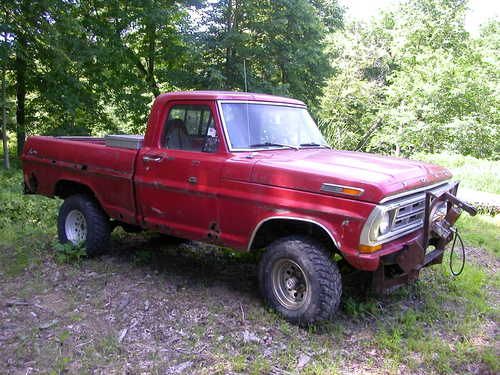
407, 212
409, 215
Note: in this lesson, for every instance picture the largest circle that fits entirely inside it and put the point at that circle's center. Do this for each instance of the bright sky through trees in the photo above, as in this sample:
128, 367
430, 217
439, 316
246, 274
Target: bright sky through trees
480, 11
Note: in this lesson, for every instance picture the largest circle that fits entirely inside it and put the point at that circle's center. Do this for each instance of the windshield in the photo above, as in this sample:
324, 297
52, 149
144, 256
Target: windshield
261, 126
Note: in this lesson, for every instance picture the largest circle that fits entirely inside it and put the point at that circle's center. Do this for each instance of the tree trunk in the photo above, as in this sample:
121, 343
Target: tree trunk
150, 77
20, 69
230, 27
6, 161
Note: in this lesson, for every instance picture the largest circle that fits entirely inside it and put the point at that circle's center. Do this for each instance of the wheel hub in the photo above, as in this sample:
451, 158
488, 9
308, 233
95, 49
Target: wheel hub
290, 284
75, 227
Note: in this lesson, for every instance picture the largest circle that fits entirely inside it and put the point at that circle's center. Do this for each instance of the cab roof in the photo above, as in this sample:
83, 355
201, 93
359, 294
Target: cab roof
226, 95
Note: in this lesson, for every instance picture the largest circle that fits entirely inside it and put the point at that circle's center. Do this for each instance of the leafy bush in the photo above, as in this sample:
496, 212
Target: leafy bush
414, 81
19, 209
68, 253
27, 224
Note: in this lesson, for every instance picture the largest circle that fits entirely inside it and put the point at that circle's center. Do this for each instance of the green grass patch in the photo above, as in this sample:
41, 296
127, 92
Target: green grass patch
475, 174
481, 231
438, 333
27, 224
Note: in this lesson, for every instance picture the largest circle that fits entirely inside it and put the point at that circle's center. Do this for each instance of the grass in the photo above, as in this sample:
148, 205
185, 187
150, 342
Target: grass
27, 224
439, 334
482, 231
439, 325
475, 174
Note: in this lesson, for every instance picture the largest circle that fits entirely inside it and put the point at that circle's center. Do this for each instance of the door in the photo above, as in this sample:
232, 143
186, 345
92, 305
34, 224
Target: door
177, 181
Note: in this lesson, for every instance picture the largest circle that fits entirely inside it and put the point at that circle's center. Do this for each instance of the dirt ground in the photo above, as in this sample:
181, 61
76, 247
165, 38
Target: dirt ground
191, 308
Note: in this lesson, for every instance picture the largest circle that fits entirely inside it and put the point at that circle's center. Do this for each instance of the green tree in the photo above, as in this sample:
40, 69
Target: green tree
51, 89
414, 80
281, 43
92, 67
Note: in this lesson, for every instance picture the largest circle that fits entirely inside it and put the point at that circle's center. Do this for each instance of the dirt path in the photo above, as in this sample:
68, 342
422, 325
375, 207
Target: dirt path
182, 309
487, 202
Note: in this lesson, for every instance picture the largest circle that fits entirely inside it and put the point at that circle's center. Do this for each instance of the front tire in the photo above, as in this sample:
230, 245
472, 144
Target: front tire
299, 280
81, 220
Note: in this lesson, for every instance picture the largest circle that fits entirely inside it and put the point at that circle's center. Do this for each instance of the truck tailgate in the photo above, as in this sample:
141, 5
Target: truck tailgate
49, 162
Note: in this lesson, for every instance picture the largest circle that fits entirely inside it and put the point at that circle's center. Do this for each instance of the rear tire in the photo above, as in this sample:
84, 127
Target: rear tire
300, 281
82, 220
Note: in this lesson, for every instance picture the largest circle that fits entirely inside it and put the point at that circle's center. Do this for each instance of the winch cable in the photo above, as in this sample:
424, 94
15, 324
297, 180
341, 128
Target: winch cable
452, 251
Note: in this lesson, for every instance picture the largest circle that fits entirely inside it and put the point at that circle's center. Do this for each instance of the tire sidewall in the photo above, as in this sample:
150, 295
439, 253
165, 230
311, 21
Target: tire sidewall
94, 244
295, 250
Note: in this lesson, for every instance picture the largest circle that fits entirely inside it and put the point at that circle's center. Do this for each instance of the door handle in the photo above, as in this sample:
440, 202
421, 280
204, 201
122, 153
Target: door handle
192, 180
154, 158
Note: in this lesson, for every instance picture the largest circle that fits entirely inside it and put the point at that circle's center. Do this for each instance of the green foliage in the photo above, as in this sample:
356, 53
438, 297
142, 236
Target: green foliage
143, 257
27, 224
92, 67
95, 67
18, 209
68, 253
280, 43
415, 81
457, 305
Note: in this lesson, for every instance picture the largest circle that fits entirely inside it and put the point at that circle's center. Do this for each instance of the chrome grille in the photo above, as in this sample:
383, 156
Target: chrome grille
407, 212
409, 215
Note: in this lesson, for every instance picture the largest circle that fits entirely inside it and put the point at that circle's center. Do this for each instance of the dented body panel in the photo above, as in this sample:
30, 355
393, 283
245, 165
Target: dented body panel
226, 197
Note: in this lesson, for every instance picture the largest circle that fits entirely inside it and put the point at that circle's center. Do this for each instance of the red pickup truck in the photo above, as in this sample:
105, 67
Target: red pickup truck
251, 172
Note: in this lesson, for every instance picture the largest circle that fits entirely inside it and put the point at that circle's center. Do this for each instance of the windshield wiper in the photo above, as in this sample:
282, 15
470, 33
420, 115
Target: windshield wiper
265, 144
313, 144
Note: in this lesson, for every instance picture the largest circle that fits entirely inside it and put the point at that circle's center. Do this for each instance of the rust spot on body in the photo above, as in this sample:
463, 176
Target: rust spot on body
213, 231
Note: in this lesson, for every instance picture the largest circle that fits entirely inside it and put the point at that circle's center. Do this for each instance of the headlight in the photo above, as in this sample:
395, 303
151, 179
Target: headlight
385, 223
381, 224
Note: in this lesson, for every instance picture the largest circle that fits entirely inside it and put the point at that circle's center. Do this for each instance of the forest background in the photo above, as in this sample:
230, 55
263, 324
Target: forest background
411, 80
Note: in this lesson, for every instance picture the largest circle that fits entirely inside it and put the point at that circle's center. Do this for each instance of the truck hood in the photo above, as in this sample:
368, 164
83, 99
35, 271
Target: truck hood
379, 176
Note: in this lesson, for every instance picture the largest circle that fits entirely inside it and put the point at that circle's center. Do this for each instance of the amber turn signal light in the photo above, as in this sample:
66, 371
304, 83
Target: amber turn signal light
369, 249
351, 191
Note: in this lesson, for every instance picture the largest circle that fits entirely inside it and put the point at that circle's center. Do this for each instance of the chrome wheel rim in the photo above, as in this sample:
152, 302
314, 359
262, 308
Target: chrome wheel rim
75, 227
290, 284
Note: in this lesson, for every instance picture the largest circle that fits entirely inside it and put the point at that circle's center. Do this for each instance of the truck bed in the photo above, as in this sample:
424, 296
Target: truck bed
51, 162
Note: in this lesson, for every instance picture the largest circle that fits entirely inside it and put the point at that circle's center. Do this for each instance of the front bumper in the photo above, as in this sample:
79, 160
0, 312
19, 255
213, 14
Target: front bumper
427, 248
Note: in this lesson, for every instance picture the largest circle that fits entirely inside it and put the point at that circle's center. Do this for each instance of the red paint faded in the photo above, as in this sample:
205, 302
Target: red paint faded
234, 192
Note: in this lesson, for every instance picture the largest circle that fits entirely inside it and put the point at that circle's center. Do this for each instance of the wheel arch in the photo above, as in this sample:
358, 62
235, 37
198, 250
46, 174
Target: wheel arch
274, 227
66, 187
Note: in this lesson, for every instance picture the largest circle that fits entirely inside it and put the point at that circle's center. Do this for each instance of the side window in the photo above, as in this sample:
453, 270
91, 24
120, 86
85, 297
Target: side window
190, 127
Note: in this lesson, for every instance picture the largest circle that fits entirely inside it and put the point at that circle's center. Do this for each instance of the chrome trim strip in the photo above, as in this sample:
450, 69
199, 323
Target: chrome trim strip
410, 192
257, 227
408, 214
399, 232
224, 127
333, 188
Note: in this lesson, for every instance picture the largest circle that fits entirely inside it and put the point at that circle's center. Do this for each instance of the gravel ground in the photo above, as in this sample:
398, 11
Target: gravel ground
150, 308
